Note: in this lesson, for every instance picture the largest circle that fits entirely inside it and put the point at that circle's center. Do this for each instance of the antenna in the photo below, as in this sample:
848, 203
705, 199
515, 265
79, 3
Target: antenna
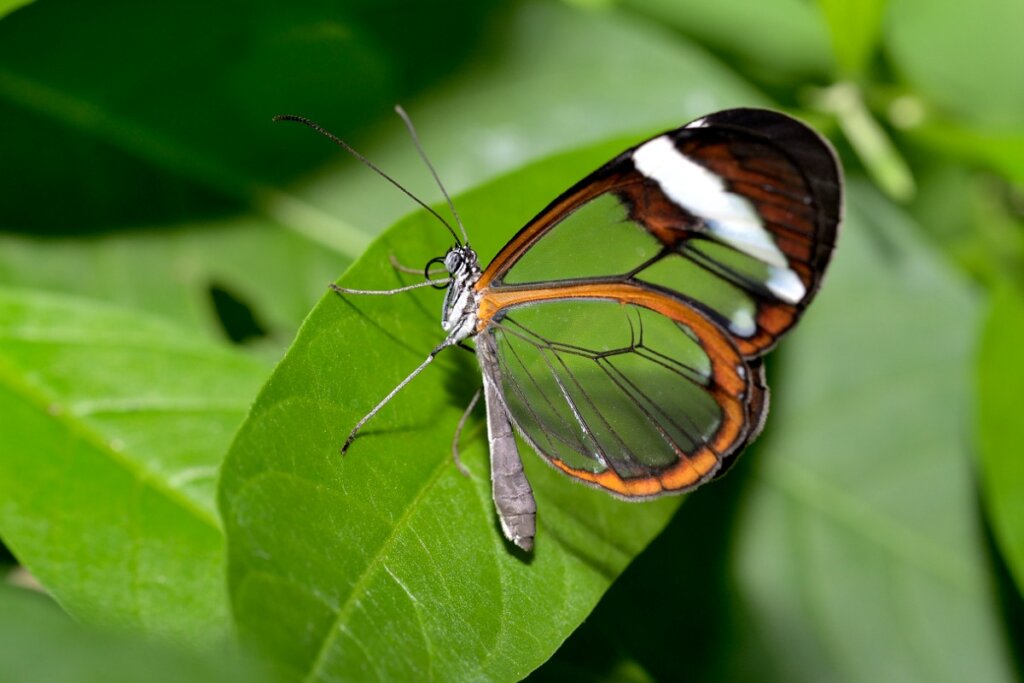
423, 155
348, 148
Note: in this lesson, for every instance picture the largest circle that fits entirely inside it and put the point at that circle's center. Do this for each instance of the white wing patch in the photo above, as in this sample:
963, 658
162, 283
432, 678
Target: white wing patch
729, 217
742, 323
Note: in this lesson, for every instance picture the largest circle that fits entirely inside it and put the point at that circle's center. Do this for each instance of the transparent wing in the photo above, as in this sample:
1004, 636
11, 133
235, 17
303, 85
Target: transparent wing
623, 396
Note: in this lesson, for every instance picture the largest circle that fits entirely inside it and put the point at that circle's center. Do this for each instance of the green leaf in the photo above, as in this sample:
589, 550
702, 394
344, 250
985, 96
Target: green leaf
963, 57
388, 562
114, 426
1000, 150
275, 272
777, 39
1000, 431
39, 643
952, 197
855, 27
8, 6
696, 620
846, 544
862, 535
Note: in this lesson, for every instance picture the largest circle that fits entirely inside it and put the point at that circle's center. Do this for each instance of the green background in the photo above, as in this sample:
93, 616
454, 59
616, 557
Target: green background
174, 381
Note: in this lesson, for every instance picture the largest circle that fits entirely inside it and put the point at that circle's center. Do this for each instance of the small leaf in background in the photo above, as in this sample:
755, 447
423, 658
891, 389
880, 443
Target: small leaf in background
854, 27
114, 427
780, 40
951, 198
962, 57
1000, 149
388, 562
1000, 430
38, 642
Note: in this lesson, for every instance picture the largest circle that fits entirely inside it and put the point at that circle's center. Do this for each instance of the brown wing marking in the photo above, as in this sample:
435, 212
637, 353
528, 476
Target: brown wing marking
787, 172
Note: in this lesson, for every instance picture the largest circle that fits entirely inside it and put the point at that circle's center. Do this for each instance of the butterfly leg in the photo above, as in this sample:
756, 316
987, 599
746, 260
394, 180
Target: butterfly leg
458, 433
386, 292
450, 341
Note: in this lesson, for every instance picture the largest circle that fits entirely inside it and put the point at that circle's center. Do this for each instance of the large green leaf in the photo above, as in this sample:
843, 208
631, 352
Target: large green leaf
39, 643
846, 544
114, 425
862, 534
1000, 429
388, 562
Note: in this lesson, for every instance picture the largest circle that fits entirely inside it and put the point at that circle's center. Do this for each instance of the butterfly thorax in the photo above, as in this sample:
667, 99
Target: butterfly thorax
459, 316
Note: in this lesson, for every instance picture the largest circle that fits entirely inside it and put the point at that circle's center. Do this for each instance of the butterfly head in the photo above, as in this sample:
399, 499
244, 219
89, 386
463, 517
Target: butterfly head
461, 261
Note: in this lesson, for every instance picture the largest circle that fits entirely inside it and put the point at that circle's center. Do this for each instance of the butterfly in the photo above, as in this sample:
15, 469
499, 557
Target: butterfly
620, 333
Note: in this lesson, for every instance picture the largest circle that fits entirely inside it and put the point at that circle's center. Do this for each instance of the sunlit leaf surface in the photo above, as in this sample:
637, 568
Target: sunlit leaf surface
114, 425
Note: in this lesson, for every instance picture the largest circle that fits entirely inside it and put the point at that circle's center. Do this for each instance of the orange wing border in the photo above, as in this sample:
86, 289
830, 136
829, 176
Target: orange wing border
737, 388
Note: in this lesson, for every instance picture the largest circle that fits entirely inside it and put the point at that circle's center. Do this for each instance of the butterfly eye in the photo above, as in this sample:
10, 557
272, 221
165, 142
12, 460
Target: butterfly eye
453, 260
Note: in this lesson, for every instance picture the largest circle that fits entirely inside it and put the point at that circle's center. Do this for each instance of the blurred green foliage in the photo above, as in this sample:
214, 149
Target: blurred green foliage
161, 243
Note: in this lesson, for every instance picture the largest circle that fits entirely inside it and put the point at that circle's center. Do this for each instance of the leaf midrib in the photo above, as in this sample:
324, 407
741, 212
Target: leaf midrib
358, 588
34, 396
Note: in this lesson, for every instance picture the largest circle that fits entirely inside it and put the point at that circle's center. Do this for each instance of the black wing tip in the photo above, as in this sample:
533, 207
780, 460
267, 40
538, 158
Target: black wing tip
810, 147
812, 152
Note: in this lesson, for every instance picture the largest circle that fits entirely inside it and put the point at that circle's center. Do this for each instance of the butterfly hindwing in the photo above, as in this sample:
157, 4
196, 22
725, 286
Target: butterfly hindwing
637, 396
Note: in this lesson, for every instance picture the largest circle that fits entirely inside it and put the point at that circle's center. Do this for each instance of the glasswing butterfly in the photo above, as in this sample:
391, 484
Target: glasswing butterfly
620, 333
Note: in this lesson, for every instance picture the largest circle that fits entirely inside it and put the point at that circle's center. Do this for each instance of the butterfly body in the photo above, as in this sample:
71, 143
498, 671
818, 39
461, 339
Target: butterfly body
459, 316
620, 332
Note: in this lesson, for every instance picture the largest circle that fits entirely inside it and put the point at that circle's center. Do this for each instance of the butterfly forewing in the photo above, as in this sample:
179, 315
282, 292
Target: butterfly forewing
735, 214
